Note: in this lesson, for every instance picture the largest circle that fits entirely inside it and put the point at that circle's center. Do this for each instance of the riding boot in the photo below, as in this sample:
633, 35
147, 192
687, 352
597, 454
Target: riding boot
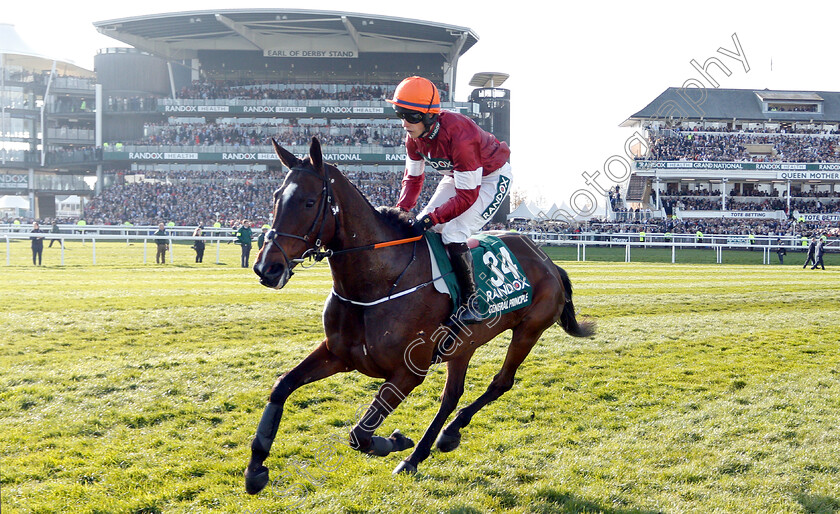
462, 265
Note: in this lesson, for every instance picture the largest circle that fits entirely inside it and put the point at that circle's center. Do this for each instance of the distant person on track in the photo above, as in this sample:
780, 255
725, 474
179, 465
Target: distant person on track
261, 239
54, 230
812, 248
162, 245
476, 172
819, 252
37, 244
244, 238
781, 252
198, 244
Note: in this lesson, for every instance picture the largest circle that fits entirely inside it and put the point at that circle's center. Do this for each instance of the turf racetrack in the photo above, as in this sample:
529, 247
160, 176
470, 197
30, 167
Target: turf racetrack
137, 388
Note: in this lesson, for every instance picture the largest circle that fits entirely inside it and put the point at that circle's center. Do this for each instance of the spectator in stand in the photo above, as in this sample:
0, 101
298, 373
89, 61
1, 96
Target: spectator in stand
680, 145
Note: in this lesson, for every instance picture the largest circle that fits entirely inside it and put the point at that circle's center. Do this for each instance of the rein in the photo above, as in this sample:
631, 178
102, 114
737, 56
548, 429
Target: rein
319, 255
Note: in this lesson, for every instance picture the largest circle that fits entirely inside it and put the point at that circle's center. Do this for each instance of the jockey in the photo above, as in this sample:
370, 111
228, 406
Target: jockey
476, 179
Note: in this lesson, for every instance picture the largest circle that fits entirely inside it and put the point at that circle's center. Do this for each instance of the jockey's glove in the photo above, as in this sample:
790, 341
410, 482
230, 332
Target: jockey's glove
423, 224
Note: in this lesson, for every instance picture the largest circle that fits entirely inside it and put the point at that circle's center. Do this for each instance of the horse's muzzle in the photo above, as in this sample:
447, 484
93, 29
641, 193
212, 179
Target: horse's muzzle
273, 275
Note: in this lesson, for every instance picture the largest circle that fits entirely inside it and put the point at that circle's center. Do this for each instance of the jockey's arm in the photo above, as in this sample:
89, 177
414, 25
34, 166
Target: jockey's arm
412, 184
467, 186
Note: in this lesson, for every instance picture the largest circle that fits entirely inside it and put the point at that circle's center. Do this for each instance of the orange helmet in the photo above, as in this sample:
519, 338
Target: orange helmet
417, 94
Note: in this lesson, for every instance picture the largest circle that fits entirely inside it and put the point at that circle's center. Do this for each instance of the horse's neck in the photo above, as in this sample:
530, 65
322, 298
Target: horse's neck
369, 271
359, 223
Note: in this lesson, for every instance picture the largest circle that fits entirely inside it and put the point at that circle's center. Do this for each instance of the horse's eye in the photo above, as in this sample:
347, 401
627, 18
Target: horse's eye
310, 203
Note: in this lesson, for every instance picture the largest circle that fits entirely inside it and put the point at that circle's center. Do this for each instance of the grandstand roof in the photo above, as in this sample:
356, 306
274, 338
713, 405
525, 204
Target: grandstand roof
489, 79
741, 104
181, 35
17, 53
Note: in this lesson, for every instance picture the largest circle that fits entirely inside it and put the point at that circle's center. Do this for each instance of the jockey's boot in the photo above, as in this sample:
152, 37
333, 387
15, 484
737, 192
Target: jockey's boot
462, 265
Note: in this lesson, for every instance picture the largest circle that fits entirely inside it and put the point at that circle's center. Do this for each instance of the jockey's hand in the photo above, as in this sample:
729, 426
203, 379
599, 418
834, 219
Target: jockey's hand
423, 224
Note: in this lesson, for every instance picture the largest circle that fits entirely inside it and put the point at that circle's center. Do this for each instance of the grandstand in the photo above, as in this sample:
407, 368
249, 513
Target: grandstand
734, 154
185, 114
47, 126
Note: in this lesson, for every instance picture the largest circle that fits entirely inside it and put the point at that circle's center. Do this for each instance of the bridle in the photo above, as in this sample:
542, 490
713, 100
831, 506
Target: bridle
314, 252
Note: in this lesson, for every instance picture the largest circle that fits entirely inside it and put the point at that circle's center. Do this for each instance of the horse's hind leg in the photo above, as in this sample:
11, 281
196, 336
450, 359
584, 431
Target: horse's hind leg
317, 365
520, 346
456, 371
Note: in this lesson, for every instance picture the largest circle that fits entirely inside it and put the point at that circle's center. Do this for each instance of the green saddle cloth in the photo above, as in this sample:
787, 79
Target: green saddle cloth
502, 285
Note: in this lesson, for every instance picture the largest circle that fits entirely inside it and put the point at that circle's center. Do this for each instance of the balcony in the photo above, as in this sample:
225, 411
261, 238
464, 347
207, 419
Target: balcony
75, 136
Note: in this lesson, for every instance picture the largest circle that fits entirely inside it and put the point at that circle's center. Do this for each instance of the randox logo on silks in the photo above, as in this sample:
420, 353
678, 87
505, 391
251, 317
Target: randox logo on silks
501, 193
438, 164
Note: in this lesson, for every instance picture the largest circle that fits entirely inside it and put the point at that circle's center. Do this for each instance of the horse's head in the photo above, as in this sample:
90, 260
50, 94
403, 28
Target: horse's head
304, 216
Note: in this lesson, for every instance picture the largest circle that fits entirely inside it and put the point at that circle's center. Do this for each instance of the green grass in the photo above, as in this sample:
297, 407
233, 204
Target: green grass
137, 388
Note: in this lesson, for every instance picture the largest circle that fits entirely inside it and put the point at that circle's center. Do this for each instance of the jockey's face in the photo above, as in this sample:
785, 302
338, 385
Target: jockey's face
414, 130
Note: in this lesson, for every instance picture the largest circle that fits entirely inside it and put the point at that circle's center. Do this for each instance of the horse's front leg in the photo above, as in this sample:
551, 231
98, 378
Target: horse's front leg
389, 396
319, 364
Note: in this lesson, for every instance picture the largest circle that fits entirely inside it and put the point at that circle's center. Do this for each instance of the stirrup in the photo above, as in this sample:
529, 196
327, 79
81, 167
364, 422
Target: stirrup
468, 312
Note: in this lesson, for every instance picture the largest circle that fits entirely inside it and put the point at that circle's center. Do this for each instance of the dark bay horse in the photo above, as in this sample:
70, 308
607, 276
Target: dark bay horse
381, 319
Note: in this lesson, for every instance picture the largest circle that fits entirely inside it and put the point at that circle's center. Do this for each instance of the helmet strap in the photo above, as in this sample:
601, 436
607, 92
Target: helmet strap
430, 122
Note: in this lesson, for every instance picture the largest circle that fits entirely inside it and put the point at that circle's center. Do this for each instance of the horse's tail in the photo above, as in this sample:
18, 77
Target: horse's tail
567, 320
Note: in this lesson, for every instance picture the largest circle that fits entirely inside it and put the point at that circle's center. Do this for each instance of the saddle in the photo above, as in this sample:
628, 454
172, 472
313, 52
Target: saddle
500, 281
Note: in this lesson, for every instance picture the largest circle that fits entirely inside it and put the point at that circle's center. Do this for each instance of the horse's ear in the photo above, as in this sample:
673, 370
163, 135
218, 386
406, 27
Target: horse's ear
315, 156
286, 157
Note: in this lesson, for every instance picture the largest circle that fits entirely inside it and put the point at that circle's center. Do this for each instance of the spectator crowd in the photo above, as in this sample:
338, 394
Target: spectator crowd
195, 198
237, 135
693, 145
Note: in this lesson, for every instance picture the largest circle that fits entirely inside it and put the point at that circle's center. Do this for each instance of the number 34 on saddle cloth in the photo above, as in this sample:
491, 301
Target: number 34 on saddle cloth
500, 282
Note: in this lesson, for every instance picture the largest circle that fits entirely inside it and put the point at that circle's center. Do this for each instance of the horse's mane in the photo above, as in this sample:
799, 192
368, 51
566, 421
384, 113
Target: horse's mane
396, 217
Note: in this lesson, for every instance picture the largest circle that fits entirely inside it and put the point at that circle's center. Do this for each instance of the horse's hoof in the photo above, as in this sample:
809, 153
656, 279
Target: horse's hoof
447, 443
256, 482
401, 442
404, 467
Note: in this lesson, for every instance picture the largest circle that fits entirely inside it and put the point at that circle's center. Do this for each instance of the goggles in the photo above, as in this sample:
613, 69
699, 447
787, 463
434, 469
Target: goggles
410, 116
